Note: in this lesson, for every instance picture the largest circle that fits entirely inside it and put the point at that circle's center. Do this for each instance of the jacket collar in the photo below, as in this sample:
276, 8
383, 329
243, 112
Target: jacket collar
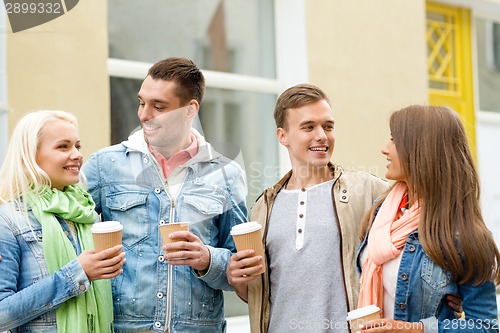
273, 191
205, 153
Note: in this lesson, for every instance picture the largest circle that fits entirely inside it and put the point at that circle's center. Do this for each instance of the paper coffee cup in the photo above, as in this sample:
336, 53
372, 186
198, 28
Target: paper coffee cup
166, 229
248, 236
361, 316
106, 234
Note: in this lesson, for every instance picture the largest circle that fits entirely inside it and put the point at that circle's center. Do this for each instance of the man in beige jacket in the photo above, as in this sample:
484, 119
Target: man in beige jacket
310, 222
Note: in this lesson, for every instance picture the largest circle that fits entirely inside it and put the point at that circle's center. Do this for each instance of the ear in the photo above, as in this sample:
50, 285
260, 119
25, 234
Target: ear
192, 108
282, 136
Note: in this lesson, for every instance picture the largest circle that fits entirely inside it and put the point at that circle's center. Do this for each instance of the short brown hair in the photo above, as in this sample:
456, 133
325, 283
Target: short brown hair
296, 97
189, 78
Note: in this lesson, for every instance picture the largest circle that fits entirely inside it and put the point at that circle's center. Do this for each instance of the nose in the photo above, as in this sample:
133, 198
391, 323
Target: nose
76, 154
320, 134
145, 113
385, 149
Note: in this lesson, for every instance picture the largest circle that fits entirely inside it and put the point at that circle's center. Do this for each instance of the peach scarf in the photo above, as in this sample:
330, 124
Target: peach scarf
386, 240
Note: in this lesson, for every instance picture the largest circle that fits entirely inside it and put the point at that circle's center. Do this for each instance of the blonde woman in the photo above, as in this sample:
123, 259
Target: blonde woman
426, 238
50, 278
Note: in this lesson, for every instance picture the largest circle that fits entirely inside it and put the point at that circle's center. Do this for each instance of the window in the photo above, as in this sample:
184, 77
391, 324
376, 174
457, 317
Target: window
234, 36
488, 124
488, 64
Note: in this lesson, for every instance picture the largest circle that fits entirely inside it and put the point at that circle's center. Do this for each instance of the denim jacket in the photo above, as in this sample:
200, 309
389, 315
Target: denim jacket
421, 289
127, 185
29, 295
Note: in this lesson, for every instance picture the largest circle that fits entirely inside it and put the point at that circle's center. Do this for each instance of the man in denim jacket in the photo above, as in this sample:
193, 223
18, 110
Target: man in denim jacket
165, 173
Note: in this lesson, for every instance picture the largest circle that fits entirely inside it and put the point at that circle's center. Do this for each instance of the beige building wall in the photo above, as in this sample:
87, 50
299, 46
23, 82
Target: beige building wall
62, 64
370, 58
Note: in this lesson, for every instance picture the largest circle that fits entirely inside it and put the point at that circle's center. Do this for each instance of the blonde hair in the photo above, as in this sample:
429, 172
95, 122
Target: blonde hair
20, 172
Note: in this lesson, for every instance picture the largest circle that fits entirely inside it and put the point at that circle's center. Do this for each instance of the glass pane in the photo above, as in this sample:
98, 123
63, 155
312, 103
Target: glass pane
124, 105
488, 63
234, 36
440, 48
236, 120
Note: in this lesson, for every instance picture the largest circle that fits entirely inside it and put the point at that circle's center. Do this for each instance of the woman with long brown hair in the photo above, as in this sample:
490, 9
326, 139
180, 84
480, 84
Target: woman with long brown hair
426, 238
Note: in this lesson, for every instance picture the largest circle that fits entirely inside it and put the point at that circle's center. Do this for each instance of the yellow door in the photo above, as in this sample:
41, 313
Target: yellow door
449, 62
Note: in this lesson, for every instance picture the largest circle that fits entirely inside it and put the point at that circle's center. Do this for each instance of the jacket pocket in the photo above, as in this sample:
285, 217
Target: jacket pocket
33, 239
208, 205
436, 283
130, 209
434, 275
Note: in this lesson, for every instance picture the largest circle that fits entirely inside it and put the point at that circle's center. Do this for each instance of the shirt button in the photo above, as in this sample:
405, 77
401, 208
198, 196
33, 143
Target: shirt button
301, 215
162, 222
303, 189
145, 160
157, 324
299, 231
402, 306
66, 232
344, 197
81, 287
411, 248
168, 167
404, 276
161, 258
159, 294
302, 202
344, 191
157, 190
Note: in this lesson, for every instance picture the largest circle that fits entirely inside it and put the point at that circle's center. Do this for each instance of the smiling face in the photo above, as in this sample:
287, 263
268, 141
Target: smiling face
394, 170
308, 135
58, 153
165, 121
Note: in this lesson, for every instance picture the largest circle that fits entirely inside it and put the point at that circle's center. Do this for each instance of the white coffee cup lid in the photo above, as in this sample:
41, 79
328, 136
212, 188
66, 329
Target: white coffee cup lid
245, 228
107, 226
361, 312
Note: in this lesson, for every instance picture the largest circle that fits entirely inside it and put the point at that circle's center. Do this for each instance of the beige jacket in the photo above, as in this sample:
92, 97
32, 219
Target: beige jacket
354, 193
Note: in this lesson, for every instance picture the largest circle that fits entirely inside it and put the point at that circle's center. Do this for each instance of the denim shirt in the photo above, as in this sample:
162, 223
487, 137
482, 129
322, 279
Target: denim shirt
127, 185
422, 287
29, 295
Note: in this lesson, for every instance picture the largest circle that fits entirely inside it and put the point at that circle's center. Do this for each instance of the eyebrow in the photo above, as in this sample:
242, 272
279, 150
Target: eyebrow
67, 141
308, 122
153, 100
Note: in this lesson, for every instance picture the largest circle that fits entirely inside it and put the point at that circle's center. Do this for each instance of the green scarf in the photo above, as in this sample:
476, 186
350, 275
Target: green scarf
92, 311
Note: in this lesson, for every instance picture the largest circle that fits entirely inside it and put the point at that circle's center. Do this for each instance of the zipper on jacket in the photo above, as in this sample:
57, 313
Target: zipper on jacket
169, 275
171, 219
169, 272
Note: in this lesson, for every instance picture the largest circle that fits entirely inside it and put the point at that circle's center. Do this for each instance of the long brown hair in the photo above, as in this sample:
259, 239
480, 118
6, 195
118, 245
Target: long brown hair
436, 159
